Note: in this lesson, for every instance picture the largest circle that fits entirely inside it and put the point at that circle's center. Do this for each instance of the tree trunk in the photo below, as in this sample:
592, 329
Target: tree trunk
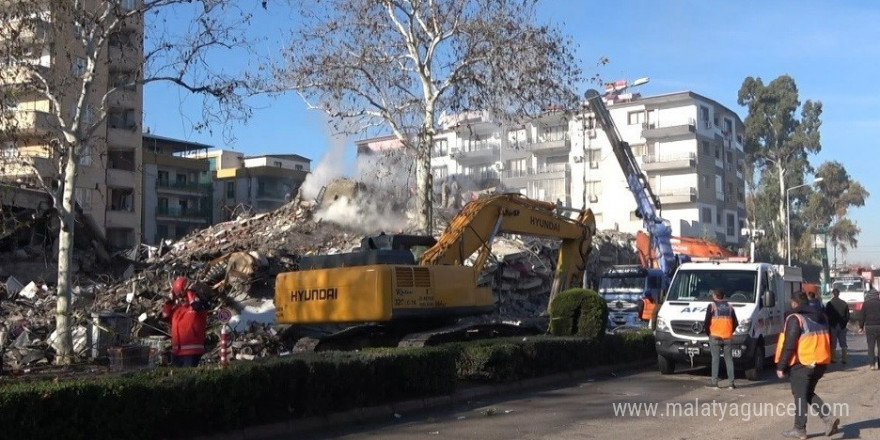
424, 184
65, 256
783, 218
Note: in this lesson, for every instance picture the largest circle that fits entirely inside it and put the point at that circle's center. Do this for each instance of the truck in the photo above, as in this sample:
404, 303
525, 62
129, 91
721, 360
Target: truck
852, 290
760, 294
412, 290
623, 287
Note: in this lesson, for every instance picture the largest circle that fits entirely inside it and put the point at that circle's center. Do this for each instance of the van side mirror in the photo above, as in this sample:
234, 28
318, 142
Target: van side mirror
769, 298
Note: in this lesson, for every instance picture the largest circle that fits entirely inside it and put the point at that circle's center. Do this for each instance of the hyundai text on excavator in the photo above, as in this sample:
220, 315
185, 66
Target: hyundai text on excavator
409, 297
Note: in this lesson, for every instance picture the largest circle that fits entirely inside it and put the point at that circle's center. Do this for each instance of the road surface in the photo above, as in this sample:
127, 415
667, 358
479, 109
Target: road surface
595, 408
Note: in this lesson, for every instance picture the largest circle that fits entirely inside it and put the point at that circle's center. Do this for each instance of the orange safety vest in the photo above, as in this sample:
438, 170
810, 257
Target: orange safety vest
647, 309
721, 325
814, 345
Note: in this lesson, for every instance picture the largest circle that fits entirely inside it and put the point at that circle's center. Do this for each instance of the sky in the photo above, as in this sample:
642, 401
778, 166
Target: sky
830, 49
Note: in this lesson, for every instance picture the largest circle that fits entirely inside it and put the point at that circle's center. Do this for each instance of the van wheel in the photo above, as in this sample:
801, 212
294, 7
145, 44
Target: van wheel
666, 365
757, 369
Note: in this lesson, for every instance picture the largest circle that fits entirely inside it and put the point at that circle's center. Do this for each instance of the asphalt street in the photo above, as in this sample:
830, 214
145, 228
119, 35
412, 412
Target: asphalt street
595, 408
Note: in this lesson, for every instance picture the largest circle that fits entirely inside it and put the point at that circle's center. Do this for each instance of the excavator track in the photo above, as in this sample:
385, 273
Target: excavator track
466, 332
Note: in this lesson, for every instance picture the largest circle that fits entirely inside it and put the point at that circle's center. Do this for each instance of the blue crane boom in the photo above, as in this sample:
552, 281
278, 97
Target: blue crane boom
647, 203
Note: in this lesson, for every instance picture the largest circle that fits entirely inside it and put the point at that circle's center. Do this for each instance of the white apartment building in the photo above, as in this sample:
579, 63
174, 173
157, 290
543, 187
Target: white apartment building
690, 147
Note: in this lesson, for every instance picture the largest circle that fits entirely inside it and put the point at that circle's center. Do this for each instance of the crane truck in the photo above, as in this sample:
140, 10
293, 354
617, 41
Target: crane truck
623, 287
411, 290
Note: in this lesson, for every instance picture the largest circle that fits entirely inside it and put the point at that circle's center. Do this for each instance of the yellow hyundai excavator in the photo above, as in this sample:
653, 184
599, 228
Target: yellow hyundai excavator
409, 286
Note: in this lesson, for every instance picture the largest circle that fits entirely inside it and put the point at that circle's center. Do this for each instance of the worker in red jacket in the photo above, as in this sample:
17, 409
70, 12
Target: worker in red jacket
188, 315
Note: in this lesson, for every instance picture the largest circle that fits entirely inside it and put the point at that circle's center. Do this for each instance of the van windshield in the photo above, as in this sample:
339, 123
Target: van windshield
697, 285
848, 285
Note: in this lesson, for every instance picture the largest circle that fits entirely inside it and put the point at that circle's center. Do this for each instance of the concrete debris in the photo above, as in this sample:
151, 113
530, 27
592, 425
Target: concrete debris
233, 266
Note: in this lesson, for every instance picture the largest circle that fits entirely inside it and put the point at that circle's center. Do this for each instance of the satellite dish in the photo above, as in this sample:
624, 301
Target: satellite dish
640, 81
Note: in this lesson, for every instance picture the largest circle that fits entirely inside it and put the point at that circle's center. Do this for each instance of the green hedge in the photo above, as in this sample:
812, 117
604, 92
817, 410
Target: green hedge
181, 403
578, 312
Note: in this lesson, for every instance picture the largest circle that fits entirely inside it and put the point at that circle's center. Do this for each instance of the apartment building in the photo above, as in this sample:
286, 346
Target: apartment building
109, 188
178, 188
691, 149
253, 184
689, 146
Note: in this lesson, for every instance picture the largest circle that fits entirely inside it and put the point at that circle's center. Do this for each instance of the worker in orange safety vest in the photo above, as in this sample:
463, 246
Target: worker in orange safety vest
719, 324
803, 351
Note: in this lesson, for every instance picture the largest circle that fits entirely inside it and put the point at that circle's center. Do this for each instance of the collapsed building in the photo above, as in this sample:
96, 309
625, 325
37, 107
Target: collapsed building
234, 264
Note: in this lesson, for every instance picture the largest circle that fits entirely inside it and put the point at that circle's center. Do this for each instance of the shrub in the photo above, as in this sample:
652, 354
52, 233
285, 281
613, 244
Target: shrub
578, 312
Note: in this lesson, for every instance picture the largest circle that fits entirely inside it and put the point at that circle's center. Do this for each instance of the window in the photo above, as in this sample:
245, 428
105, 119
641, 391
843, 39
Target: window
78, 68
298, 167
439, 174
704, 181
717, 152
728, 126
635, 118
730, 225
440, 148
8, 149
84, 155
517, 138
127, 4
163, 205
162, 177
212, 163
706, 215
638, 150
556, 133
230, 190
276, 163
122, 118
593, 187
83, 197
718, 218
180, 179
706, 149
161, 232
704, 116
730, 189
729, 157
122, 80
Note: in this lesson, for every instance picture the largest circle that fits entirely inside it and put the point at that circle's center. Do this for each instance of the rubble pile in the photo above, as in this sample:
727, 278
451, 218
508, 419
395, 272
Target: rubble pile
234, 265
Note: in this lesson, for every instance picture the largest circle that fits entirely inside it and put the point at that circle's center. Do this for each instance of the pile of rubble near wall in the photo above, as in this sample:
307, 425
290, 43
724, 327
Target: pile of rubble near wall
235, 264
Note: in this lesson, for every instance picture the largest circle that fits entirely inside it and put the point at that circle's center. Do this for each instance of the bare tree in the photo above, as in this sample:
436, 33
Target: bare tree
397, 64
58, 94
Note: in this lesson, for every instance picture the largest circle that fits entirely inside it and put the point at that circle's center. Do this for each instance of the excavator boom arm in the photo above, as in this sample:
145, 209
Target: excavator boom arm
479, 222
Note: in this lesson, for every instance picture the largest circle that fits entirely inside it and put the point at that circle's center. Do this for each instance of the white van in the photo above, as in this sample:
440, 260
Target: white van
760, 293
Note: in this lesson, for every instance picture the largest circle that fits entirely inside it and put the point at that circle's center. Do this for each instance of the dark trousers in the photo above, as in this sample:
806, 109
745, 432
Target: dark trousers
872, 332
803, 387
187, 360
715, 347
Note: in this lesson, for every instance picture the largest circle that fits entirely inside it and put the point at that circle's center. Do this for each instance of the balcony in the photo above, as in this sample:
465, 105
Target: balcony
125, 55
519, 178
677, 195
123, 135
483, 154
551, 146
180, 213
184, 187
124, 98
120, 178
122, 219
653, 131
274, 195
33, 122
669, 162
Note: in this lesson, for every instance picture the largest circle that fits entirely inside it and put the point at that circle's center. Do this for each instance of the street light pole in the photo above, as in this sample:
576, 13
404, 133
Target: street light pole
788, 216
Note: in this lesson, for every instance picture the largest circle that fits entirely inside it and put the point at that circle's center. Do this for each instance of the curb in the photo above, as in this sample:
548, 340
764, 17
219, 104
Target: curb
392, 410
